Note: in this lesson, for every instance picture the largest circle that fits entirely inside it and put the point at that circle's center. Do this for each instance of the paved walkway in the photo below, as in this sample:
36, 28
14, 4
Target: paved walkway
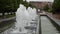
47, 27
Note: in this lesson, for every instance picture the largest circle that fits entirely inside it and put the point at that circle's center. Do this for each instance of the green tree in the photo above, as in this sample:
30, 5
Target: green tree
47, 8
9, 6
56, 7
3, 5
27, 4
12, 5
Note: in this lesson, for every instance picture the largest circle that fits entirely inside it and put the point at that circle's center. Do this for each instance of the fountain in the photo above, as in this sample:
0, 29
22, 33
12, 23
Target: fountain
32, 12
23, 17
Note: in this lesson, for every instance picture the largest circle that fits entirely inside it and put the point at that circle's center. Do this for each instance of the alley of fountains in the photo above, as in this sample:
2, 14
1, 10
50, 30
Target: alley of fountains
24, 18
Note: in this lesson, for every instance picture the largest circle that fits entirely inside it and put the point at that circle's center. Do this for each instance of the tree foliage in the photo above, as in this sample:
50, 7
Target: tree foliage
27, 4
10, 5
47, 8
7, 6
56, 7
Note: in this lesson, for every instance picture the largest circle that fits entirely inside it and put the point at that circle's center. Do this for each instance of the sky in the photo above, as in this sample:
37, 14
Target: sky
41, 0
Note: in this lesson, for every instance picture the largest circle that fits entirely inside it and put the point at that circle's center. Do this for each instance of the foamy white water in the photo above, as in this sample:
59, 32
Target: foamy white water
23, 17
32, 12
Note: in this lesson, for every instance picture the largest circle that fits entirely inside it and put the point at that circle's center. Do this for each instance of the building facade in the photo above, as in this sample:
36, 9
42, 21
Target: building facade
41, 5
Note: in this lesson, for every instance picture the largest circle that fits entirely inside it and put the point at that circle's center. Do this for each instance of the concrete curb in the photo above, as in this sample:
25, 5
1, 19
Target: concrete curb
7, 19
56, 22
38, 26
